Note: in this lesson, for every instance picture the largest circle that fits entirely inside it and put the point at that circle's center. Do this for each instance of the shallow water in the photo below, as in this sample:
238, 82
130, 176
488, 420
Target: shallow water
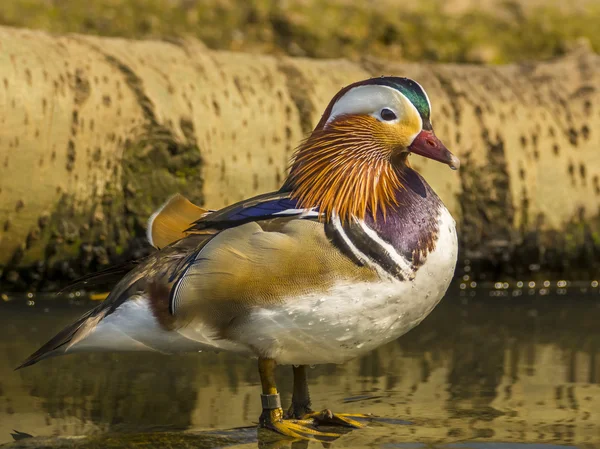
483, 371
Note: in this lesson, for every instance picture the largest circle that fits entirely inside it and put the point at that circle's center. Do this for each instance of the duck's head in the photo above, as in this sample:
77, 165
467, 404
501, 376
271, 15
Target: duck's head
353, 161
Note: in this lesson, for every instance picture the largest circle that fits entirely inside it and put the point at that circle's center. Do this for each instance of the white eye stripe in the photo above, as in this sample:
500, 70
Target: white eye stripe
369, 99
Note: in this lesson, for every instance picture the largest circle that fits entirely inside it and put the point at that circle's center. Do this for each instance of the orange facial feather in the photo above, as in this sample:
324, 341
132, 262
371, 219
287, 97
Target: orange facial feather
347, 168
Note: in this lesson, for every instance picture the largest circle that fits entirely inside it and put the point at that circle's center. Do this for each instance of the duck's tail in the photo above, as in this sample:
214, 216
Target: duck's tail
66, 338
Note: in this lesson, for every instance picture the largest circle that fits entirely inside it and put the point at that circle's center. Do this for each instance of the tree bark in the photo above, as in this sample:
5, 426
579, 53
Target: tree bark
95, 133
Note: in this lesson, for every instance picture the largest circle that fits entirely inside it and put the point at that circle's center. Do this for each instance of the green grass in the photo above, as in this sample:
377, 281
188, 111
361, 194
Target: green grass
511, 31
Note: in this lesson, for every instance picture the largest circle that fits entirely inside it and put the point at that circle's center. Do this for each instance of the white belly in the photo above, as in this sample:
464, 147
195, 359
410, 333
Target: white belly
352, 319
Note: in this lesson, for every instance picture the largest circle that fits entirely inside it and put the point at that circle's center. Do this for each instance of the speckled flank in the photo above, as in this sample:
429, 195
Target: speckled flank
98, 132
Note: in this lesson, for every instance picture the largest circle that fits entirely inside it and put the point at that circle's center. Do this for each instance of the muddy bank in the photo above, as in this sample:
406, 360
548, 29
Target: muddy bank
96, 133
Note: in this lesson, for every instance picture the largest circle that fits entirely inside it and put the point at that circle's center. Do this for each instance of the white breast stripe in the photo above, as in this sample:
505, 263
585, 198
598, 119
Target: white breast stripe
337, 224
399, 260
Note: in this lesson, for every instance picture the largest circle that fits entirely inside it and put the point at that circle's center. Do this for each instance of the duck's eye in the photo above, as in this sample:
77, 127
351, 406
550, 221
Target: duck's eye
388, 115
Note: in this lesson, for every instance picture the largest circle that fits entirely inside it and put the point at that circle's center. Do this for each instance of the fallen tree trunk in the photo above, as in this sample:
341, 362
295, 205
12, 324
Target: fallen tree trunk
95, 133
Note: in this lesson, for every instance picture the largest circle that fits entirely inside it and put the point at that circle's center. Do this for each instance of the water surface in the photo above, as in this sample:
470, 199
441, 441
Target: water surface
483, 371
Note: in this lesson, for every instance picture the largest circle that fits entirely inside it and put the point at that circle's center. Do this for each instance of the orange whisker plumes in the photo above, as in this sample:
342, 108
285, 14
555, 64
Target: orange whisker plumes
346, 168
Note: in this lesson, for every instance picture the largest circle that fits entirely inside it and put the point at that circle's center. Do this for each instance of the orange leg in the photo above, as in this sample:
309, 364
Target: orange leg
272, 414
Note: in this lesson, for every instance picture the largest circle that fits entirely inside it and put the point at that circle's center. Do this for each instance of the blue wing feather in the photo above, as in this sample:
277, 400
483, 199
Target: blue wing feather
278, 204
264, 209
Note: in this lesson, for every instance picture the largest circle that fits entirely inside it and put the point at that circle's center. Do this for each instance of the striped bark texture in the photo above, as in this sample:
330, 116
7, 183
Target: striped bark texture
95, 133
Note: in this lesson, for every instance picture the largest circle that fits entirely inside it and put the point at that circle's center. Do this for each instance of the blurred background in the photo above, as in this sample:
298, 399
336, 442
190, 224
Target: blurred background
486, 31
108, 107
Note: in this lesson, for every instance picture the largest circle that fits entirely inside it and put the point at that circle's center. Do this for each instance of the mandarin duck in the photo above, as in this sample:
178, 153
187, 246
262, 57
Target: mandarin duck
352, 252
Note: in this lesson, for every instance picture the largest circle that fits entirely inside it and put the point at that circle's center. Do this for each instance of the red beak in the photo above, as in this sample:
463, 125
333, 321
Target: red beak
427, 144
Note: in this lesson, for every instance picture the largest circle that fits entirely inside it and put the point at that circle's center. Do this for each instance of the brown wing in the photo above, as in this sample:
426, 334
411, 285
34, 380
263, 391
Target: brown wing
259, 264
